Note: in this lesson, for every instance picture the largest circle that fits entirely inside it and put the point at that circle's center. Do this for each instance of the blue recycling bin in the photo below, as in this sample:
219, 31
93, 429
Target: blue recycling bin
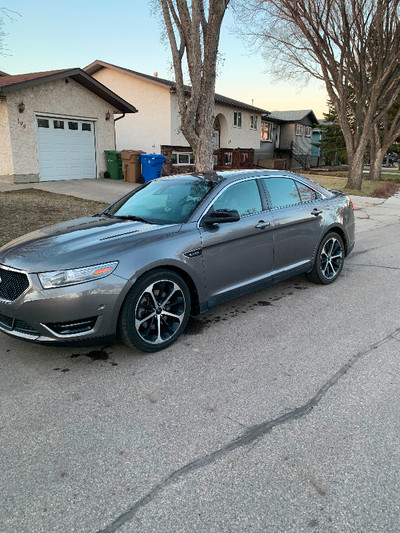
151, 166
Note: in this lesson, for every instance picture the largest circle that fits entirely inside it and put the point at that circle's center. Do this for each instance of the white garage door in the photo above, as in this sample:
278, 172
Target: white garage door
66, 148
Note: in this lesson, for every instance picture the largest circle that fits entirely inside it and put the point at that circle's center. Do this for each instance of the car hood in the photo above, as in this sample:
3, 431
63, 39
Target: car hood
80, 242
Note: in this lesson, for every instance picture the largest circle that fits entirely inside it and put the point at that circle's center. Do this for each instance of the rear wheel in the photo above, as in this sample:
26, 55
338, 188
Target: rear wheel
155, 311
329, 260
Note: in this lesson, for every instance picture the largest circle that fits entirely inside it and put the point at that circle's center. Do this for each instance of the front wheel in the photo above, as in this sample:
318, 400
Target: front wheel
329, 261
155, 311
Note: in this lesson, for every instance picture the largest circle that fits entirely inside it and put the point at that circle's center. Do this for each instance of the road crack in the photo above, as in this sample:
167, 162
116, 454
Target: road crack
248, 437
375, 266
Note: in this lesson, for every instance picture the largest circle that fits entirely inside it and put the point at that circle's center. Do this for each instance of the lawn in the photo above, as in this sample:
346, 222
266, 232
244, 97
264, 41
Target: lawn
384, 188
30, 209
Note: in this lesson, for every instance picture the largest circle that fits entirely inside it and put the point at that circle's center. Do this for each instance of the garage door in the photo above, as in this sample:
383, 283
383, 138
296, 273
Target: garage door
66, 148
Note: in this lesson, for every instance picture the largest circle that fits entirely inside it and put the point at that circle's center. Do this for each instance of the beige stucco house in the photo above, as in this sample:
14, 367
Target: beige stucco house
156, 127
56, 125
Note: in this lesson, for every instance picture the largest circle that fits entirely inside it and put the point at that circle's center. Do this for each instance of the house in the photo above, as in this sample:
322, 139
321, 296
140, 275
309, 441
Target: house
317, 158
56, 125
286, 136
156, 128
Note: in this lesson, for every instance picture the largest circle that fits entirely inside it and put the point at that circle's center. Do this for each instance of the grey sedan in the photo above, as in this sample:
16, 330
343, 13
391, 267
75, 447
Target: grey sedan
173, 247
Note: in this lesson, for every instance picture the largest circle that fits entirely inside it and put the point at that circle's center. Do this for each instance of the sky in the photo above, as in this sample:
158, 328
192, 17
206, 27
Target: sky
56, 34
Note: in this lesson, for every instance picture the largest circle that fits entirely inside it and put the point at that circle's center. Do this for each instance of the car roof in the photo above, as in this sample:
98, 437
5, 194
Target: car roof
229, 176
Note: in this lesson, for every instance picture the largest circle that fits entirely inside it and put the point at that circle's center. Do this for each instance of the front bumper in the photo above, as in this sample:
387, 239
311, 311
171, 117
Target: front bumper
75, 314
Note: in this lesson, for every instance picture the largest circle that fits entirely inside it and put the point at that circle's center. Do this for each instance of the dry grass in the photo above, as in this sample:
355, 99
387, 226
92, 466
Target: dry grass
368, 187
30, 209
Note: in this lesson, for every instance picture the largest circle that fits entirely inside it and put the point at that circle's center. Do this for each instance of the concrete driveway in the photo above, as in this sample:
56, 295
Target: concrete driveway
100, 190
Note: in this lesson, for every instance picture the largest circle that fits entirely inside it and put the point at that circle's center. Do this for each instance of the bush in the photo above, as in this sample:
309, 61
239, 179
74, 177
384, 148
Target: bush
385, 190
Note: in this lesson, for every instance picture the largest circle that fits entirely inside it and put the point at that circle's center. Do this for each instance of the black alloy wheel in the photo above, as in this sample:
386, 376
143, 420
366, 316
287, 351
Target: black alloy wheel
329, 260
155, 311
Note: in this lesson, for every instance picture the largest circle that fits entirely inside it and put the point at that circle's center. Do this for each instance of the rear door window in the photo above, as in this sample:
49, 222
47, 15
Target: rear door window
283, 192
306, 194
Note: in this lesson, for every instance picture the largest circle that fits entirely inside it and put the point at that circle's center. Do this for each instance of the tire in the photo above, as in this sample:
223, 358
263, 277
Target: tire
155, 312
329, 261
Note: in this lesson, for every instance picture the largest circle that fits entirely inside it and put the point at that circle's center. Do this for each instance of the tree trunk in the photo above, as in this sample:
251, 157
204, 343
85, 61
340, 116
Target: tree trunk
195, 38
203, 152
356, 166
375, 154
375, 170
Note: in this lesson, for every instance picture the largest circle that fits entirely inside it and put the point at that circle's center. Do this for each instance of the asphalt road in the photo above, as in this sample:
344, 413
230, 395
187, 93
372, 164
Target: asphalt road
276, 412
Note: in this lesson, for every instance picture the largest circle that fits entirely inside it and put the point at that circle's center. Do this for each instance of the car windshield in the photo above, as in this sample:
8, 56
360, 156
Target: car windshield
169, 200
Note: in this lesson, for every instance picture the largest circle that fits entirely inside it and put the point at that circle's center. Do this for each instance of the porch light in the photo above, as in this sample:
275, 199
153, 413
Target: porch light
21, 107
108, 115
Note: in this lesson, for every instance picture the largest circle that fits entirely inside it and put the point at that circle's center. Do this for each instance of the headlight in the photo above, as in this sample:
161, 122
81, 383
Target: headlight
61, 278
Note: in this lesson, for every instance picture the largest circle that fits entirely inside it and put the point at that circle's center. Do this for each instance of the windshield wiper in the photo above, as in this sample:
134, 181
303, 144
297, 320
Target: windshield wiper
102, 214
134, 218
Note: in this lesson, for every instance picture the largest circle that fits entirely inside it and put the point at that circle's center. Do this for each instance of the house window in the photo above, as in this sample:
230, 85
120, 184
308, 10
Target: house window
86, 127
42, 123
308, 131
237, 119
266, 131
228, 159
253, 122
58, 124
299, 129
73, 125
182, 158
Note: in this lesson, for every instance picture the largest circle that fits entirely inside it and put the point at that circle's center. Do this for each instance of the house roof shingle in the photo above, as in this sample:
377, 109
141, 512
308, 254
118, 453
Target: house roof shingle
10, 83
293, 116
8, 80
219, 98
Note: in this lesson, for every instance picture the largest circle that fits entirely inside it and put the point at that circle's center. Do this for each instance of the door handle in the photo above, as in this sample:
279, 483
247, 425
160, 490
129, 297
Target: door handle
316, 212
263, 225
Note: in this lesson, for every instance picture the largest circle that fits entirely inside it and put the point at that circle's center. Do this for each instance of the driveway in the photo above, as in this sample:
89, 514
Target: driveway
100, 190
276, 412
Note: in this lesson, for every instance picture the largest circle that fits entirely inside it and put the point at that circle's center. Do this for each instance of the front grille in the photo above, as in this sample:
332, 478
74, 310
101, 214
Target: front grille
71, 328
12, 284
20, 326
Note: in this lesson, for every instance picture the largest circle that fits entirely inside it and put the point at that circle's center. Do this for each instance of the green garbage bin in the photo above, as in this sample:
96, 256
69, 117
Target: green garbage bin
114, 164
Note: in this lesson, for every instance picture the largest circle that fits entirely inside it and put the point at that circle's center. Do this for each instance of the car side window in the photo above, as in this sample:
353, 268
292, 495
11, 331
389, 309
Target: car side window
306, 194
243, 196
282, 191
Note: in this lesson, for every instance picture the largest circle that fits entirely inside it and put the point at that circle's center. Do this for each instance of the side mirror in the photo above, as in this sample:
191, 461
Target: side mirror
220, 216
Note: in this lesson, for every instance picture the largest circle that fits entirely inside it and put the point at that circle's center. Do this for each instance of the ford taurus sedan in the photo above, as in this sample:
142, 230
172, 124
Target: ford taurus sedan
174, 246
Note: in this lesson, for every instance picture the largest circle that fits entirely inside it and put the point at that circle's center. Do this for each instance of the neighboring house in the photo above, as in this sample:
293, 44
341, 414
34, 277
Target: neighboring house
56, 125
317, 158
156, 128
286, 136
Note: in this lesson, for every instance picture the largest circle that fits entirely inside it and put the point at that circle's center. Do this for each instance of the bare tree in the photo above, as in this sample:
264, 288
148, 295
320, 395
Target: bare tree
384, 134
11, 15
194, 37
344, 43
2, 35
